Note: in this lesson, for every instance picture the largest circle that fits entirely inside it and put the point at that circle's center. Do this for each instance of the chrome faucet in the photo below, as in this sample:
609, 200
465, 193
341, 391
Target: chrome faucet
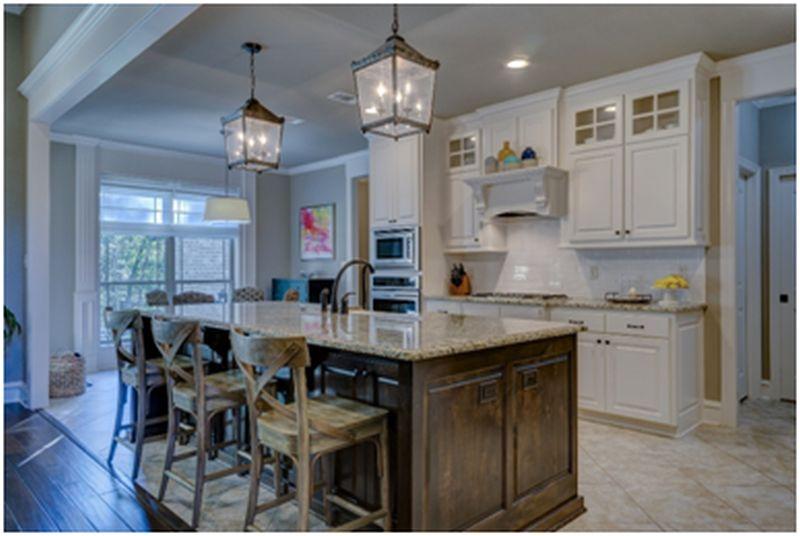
335, 306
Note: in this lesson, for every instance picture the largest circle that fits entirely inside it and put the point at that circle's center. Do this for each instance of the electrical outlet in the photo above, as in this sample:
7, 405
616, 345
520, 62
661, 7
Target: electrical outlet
594, 272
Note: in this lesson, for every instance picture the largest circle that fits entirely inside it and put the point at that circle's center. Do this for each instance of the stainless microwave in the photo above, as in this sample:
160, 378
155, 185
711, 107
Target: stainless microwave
395, 248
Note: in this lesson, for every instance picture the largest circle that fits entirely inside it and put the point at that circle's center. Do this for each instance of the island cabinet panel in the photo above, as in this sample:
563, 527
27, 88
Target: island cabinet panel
465, 411
541, 395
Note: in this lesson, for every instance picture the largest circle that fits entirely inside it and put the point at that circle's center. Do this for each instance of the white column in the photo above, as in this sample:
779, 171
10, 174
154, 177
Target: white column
86, 302
37, 265
247, 234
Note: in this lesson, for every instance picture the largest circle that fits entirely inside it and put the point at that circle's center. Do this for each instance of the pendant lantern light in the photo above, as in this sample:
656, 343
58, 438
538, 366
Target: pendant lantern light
226, 209
395, 87
253, 134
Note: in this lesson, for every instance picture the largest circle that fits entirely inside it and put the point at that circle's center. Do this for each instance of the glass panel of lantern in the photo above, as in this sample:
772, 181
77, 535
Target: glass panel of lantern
253, 138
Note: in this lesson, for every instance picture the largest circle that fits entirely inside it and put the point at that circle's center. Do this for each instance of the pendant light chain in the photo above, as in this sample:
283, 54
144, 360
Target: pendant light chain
252, 73
395, 23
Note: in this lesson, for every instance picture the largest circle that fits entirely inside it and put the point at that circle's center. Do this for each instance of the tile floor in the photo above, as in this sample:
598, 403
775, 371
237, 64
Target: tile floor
715, 479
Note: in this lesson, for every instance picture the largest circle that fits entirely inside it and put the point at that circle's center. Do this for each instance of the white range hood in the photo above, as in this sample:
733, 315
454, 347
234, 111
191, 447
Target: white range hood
538, 191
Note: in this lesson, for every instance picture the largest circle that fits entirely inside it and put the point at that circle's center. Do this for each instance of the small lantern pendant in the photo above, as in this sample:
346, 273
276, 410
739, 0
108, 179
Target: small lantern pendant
253, 134
395, 87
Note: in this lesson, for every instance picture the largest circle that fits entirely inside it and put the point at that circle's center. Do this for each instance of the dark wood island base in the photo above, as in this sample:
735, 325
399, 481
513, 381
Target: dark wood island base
485, 440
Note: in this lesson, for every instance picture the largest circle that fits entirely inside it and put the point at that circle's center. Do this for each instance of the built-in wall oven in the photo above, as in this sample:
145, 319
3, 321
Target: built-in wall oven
396, 293
396, 249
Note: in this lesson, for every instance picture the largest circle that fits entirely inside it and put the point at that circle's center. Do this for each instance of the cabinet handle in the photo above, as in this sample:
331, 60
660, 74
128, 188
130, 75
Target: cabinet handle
635, 326
487, 392
575, 322
530, 380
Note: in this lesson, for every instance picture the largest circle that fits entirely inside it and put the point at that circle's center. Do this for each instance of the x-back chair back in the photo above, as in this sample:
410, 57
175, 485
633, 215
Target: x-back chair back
170, 336
118, 323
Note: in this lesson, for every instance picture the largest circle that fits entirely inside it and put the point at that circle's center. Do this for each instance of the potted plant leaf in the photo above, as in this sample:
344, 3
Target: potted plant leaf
12, 326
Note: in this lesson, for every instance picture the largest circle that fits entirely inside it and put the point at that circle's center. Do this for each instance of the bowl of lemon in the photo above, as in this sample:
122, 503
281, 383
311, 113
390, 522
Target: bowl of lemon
671, 286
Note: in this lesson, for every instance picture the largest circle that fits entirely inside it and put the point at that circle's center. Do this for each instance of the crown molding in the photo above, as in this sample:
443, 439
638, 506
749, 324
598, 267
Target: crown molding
781, 51
698, 60
548, 96
323, 164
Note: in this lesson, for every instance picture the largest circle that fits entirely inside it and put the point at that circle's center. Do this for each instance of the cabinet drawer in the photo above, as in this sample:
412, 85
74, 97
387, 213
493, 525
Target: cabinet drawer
523, 311
591, 320
631, 324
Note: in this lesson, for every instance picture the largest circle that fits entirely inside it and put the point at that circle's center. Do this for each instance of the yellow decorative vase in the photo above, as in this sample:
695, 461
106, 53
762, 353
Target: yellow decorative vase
505, 152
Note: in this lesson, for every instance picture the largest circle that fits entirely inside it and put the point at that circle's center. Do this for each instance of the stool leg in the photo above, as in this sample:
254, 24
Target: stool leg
383, 455
277, 476
304, 490
203, 438
255, 477
171, 433
327, 478
122, 397
141, 419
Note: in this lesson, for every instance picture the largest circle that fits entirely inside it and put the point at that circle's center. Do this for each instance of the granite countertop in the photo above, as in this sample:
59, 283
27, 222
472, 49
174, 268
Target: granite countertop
396, 336
580, 303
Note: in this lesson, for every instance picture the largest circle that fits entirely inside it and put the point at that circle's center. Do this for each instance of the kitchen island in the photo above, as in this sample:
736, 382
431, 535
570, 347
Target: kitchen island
483, 428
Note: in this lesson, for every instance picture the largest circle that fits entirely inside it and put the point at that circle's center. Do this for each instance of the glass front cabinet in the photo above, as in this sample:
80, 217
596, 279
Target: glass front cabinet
462, 152
595, 125
657, 112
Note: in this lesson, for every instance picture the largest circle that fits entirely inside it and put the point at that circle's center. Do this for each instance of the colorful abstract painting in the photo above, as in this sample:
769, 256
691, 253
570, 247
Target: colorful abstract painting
317, 232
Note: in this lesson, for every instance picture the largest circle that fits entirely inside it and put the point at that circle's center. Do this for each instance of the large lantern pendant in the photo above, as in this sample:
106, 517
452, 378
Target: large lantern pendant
253, 134
395, 87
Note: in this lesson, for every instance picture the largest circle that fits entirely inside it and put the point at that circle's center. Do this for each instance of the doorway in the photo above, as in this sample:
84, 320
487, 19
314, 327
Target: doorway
765, 249
360, 230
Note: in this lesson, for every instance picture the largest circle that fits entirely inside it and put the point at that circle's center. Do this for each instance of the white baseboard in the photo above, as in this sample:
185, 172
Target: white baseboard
15, 392
712, 412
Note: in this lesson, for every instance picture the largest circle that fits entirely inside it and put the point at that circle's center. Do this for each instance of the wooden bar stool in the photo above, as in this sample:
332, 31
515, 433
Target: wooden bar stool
306, 429
200, 395
136, 375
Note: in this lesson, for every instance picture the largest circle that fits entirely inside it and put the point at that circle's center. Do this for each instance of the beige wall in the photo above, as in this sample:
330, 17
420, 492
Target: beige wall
272, 229
62, 245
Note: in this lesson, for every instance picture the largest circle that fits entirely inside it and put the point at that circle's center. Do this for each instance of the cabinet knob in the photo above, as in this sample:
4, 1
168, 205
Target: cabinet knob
627, 231
617, 232
599, 341
608, 342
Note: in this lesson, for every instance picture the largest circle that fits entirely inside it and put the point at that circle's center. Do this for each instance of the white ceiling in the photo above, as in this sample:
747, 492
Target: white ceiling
173, 95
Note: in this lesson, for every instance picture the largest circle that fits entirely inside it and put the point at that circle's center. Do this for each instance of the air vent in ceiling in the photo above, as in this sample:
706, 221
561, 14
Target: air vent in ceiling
343, 97
294, 120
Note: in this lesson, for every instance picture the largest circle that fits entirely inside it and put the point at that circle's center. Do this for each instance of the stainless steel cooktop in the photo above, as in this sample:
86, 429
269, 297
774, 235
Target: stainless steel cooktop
522, 295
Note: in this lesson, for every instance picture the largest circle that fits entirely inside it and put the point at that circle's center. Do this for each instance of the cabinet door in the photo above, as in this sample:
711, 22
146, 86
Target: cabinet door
495, 133
657, 189
542, 400
382, 171
638, 378
537, 130
595, 196
594, 125
406, 180
591, 372
657, 112
463, 225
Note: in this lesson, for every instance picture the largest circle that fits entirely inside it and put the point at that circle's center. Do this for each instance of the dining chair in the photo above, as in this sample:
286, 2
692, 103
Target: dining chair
157, 297
191, 296
136, 375
304, 430
201, 396
248, 294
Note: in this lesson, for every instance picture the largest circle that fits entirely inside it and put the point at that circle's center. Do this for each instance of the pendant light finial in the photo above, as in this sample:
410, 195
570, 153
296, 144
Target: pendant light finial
395, 87
253, 134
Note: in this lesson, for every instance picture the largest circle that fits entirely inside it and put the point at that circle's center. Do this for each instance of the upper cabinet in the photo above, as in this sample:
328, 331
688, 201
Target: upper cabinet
395, 178
657, 112
636, 149
595, 124
463, 152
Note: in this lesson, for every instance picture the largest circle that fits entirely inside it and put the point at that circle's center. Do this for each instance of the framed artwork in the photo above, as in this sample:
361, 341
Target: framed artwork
317, 232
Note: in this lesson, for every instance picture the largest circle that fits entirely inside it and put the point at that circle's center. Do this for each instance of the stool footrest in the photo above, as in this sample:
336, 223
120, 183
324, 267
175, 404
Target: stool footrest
228, 471
180, 479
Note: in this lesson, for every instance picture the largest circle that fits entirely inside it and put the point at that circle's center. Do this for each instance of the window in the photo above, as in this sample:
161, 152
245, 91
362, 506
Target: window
154, 239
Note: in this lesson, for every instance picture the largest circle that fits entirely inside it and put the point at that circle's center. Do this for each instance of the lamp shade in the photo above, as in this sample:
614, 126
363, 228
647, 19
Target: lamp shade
227, 210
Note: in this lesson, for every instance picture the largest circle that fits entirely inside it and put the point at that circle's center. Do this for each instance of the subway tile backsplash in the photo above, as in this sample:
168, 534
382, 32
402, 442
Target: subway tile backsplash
536, 263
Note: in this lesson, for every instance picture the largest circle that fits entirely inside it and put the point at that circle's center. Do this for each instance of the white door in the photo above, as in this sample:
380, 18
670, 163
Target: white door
741, 289
637, 378
595, 195
591, 372
782, 295
382, 171
657, 189
462, 220
407, 178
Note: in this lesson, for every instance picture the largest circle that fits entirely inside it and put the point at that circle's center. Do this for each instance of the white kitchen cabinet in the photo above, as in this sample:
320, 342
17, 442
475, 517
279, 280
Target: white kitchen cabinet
529, 312
395, 177
594, 124
537, 130
462, 224
637, 377
657, 112
596, 195
480, 309
463, 152
657, 189
591, 371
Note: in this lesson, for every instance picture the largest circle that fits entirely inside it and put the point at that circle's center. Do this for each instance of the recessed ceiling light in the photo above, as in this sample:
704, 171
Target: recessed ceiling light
518, 63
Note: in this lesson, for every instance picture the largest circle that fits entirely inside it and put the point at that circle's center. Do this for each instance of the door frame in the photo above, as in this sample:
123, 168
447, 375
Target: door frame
775, 363
751, 172
760, 74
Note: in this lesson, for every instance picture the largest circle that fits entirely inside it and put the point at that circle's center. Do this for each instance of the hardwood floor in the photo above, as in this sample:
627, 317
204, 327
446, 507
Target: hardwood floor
53, 484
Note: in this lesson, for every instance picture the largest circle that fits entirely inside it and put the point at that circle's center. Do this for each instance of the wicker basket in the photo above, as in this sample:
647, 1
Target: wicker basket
67, 375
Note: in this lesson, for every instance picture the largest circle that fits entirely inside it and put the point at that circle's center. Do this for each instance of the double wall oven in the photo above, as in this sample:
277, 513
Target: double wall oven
396, 282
